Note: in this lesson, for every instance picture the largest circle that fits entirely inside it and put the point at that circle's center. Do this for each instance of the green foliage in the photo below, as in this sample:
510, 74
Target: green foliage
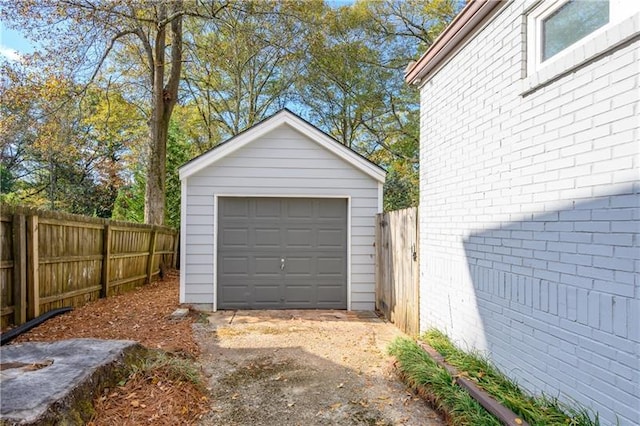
178, 153
129, 204
535, 410
437, 386
7, 181
85, 149
400, 191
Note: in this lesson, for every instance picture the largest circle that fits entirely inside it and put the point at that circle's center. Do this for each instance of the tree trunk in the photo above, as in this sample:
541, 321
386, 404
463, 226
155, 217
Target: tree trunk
164, 99
154, 203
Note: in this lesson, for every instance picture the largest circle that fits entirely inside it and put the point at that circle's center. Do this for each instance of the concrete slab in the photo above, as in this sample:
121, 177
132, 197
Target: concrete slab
41, 382
227, 317
179, 314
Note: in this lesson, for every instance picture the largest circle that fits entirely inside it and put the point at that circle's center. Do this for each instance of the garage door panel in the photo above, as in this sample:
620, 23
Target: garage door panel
300, 266
268, 208
235, 237
309, 234
234, 266
331, 267
235, 294
300, 294
299, 209
267, 237
299, 238
330, 294
236, 208
331, 208
266, 267
265, 293
331, 238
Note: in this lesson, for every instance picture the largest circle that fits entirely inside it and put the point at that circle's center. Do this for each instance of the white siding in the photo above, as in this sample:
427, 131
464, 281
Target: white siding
530, 218
281, 163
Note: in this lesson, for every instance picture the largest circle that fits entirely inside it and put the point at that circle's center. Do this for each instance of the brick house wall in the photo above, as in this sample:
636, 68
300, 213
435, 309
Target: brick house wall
530, 217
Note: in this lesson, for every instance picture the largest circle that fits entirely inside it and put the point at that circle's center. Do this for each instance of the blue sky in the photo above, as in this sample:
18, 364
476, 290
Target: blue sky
12, 43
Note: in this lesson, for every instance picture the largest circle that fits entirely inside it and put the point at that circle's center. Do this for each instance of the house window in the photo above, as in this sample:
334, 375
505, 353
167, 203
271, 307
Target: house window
571, 22
563, 34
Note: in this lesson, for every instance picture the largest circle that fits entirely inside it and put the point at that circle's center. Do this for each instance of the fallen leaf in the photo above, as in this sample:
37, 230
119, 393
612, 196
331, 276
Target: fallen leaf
135, 403
518, 421
335, 406
341, 385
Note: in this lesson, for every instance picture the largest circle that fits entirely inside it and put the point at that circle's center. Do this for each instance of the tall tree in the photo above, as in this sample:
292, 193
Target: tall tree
243, 69
80, 35
62, 151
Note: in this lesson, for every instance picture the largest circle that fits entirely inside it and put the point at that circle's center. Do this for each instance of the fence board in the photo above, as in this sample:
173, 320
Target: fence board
71, 260
7, 273
397, 274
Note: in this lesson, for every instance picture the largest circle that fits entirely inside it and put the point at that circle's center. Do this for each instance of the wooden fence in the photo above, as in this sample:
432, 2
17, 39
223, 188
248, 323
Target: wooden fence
50, 260
397, 272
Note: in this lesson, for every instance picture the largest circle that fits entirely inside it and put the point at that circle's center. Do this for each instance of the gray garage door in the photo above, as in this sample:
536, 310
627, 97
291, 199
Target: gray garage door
282, 253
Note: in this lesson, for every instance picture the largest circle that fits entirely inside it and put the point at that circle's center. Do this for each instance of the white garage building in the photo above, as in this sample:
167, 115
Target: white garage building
281, 216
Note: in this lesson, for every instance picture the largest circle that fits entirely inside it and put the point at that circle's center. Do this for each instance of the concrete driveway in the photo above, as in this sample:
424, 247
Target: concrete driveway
304, 368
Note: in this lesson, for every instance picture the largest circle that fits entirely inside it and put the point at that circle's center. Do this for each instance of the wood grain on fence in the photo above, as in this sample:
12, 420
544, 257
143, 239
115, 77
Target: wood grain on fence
50, 260
397, 272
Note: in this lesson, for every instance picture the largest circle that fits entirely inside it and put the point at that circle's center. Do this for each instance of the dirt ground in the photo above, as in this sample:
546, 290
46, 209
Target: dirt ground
261, 367
304, 368
155, 397
142, 315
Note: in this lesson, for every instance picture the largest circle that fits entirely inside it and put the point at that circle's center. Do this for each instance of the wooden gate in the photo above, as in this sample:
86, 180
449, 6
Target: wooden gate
397, 271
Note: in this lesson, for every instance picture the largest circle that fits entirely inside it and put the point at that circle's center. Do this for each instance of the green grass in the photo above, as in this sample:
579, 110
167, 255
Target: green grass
436, 385
420, 369
168, 366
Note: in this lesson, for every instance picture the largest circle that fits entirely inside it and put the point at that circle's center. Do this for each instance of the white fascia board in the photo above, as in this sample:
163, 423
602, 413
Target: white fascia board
283, 117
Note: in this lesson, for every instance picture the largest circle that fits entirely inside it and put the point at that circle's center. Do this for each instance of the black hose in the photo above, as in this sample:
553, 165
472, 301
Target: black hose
8, 336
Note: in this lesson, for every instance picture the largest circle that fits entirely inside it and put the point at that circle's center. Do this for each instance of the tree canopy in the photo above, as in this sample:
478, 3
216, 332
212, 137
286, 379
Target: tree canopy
120, 93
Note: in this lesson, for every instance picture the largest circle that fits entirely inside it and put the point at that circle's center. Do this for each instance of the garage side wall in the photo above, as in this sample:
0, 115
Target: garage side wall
529, 219
281, 163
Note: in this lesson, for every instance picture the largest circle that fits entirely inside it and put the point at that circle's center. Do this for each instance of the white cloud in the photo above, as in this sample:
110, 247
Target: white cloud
10, 54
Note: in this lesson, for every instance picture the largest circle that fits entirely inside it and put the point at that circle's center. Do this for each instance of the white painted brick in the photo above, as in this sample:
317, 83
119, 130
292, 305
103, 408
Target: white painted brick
625, 265
595, 249
537, 197
614, 239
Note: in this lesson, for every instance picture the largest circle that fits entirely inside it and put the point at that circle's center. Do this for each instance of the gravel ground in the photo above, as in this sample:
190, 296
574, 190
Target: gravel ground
304, 368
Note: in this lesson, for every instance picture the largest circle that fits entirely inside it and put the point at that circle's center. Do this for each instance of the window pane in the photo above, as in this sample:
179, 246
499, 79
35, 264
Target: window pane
570, 23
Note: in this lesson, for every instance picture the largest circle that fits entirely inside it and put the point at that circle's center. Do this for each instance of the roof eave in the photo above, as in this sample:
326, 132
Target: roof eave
464, 24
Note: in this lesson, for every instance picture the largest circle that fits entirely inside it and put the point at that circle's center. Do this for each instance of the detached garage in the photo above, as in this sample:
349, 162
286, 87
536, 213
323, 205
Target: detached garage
281, 216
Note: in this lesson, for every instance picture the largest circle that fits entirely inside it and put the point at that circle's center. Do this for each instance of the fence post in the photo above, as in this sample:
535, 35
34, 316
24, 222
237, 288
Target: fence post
19, 269
176, 244
152, 253
106, 255
33, 266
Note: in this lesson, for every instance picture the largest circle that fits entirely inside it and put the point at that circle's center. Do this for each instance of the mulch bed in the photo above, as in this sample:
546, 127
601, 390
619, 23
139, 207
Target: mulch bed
143, 315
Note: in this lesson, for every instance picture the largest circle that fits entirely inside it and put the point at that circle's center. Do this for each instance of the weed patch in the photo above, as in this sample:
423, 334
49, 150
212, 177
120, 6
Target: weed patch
437, 386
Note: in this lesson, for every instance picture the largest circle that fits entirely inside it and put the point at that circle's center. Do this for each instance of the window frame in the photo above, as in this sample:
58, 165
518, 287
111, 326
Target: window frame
535, 33
537, 72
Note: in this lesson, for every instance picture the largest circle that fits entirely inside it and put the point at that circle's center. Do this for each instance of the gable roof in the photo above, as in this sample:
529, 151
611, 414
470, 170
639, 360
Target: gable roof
284, 116
454, 36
